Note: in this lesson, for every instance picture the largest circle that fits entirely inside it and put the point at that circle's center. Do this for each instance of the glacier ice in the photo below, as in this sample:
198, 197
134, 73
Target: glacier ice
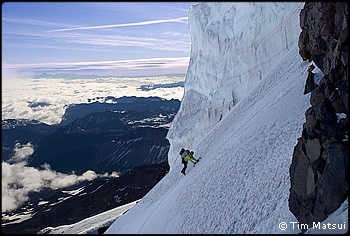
233, 46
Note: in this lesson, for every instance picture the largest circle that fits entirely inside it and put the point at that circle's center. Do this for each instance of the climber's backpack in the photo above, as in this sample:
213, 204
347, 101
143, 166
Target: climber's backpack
182, 151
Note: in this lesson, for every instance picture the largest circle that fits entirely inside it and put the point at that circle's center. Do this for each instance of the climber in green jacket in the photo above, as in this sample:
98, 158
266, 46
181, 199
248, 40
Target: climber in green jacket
186, 156
190, 158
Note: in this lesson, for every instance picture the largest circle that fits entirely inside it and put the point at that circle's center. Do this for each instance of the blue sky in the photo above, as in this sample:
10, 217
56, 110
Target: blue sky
102, 38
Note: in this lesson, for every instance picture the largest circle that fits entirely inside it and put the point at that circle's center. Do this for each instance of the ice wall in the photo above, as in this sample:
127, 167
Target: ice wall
233, 45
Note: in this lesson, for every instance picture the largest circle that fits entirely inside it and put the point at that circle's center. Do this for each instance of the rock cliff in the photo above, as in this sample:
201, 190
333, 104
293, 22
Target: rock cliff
319, 169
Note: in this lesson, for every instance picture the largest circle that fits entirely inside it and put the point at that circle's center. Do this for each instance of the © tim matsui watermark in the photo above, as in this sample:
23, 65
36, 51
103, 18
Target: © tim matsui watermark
318, 225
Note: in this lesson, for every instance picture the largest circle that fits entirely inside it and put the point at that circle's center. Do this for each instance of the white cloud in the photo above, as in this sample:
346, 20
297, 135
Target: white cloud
114, 174
180, 19
28, 21
180, 44
56, 180
175, 34
170, 64
22, 152
18, 179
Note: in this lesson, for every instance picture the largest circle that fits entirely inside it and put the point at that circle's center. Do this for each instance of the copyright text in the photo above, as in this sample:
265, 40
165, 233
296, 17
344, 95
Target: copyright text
315, 225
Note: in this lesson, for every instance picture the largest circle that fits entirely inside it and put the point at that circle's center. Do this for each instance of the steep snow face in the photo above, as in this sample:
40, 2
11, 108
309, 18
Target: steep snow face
241, 185
233, 46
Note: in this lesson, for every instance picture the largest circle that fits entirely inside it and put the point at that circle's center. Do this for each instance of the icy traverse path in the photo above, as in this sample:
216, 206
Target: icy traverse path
242, 183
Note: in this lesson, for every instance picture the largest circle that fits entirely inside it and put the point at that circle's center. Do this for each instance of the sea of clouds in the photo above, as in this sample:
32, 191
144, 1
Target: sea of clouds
46, 99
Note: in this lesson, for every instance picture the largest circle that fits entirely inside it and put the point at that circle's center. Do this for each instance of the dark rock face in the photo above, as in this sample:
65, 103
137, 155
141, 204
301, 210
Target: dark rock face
131, 103
319, 169
105, 142
130, 133
22, 131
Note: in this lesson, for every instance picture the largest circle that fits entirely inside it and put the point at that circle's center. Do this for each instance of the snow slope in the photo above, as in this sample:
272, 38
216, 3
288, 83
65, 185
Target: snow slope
242, 183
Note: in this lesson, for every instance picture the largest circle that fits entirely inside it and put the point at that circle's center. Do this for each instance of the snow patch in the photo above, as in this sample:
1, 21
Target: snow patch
74, 192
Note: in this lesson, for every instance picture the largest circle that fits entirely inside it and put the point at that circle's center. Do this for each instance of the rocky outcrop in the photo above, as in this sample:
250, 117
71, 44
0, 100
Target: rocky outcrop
319, 169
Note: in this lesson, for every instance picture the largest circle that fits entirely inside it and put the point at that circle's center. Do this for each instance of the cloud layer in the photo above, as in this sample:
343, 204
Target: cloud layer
120, 67
18, 179
52, 96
